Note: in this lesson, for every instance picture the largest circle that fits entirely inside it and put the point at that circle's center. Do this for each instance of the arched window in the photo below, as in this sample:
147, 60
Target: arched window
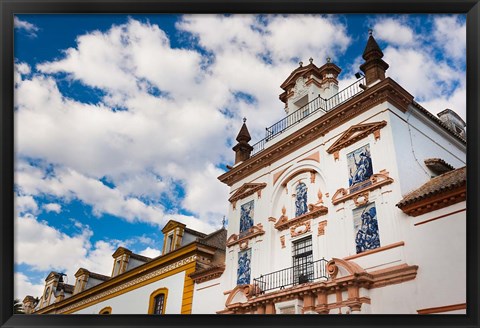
301, 199
158, 301
106, 310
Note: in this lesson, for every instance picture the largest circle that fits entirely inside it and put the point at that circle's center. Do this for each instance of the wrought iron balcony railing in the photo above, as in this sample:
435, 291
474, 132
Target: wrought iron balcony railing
316, 105
296, 275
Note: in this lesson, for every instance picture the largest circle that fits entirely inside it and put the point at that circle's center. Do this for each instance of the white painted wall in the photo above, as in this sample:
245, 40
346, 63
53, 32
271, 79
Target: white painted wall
207, 297
137, 300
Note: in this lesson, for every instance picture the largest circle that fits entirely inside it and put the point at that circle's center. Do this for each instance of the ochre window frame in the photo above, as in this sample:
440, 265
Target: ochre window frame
106, 310
151, 304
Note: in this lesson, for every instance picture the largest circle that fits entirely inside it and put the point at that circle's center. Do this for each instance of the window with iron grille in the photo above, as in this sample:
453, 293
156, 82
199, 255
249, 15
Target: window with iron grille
302, 261
158, 305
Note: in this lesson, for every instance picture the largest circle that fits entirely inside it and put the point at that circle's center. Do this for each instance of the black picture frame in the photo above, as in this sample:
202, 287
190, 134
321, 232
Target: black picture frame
10, 7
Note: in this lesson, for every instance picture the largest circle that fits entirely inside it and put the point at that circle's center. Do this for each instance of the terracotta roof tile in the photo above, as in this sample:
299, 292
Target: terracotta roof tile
437, 185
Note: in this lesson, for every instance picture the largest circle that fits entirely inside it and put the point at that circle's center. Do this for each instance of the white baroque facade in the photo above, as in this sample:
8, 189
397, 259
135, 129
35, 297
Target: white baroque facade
347, 205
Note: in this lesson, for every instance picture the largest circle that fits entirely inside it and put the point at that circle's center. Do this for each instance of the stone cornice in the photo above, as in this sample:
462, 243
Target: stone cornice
386, 90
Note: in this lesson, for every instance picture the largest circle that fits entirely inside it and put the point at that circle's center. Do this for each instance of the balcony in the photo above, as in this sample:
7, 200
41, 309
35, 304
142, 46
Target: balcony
315, 106
295, 275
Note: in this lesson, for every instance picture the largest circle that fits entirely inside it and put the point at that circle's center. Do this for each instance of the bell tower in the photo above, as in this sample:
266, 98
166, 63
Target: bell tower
309, 82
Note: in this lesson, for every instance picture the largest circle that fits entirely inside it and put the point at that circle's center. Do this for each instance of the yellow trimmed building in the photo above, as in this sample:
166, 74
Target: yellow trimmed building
138, 284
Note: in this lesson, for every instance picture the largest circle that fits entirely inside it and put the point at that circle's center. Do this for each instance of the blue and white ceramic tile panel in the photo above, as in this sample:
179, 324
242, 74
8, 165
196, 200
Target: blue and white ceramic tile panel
300, 199
243, 271
359, 165
246, 216
366, 228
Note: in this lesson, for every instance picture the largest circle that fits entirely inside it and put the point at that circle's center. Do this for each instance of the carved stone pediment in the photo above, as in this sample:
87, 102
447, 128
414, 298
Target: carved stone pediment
355, 133
246, 190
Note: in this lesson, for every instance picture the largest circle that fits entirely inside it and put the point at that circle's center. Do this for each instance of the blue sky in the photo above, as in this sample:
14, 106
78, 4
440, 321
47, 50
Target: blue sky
125, 122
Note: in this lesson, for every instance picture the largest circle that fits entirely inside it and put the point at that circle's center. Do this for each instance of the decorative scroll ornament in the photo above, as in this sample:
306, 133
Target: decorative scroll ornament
300, 228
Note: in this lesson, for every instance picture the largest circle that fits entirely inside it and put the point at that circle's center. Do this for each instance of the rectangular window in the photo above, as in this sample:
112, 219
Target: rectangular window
243, 271
302, 261
365, 226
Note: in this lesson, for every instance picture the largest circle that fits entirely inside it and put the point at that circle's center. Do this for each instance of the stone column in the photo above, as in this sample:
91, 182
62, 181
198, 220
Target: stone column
260, 309
270, 308
308, 304
322, 304
354, 299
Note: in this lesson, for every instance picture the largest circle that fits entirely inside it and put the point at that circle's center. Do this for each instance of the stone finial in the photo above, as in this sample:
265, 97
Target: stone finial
370, 32
242, 149
329, 59
374, 66
310, 60
300, 64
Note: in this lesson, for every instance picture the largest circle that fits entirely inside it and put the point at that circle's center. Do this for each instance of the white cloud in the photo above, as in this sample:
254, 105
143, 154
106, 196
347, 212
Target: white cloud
45, 248
203, 193
26, 26
23, 286
26, 204
394, 31
53, 207
450, 34
150, 252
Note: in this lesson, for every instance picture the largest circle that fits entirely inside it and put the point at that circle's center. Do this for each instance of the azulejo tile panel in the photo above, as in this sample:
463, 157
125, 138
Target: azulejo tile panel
300, 199
366, 228
243, 271
359, 164
246, 217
